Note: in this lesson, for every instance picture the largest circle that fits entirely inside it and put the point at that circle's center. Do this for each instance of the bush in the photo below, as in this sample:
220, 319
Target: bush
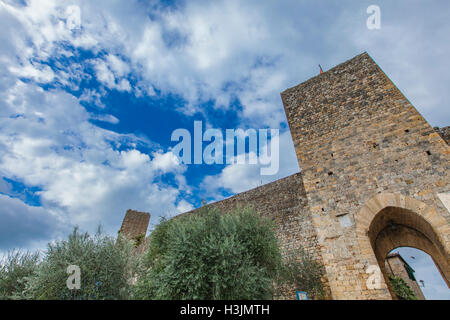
206, 255
209, 255
401, 288
15, 269
107, 267
303, 273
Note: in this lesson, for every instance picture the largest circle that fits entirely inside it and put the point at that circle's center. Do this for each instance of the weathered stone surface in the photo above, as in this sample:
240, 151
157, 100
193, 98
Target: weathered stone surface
444, 133
355, 124
135, 224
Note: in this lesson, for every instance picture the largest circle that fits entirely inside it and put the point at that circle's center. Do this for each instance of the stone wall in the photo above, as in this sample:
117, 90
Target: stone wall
356, 137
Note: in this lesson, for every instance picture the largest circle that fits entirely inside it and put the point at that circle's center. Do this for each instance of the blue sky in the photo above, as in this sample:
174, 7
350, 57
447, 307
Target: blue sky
87, 107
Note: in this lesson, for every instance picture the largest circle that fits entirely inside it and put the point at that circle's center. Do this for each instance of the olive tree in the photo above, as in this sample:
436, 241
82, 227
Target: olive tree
106, 265
210, 255
15, 269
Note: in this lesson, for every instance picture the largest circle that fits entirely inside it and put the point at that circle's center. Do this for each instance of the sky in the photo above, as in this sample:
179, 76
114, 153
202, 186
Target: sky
91, 91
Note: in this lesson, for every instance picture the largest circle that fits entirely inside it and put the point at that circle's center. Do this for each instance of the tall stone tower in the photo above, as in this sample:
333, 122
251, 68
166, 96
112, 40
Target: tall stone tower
375, 173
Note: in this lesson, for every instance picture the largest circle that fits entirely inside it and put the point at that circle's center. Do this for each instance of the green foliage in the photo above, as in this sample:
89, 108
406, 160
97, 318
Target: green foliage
206, 255
401, 288
209, 255
301, 271
106, 268
14, 271
139, 239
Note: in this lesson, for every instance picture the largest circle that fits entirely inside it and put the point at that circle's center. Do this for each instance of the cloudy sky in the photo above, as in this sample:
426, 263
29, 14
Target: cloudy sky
90, 92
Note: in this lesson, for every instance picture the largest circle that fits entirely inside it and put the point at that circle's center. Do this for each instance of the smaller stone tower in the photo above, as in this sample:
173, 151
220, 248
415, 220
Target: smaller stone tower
135, 224
397, 266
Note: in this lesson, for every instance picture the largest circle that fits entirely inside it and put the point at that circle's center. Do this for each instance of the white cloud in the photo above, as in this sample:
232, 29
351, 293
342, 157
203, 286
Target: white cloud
200, 49
242, 177
103, 73
32, 225
117, 65
109, 78
84, 179
166, 162
93, 97
39, 73
105, 118
184, 206
222, 42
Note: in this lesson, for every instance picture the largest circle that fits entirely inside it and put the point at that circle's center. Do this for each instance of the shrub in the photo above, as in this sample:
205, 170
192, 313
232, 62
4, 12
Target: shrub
106, 266
401, 288
15, 269
303, 273
209, 255
139, 239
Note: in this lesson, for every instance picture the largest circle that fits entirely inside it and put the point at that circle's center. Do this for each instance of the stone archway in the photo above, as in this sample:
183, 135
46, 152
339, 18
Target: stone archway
388, 221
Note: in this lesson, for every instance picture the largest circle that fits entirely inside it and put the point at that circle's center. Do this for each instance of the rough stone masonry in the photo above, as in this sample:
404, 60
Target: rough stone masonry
374, 177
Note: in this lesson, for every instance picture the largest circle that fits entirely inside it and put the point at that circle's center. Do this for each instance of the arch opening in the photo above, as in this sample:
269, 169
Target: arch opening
395, 227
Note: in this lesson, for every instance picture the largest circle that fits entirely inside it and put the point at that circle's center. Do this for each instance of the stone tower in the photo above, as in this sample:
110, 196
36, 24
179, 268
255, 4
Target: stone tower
135, 224
375, 173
